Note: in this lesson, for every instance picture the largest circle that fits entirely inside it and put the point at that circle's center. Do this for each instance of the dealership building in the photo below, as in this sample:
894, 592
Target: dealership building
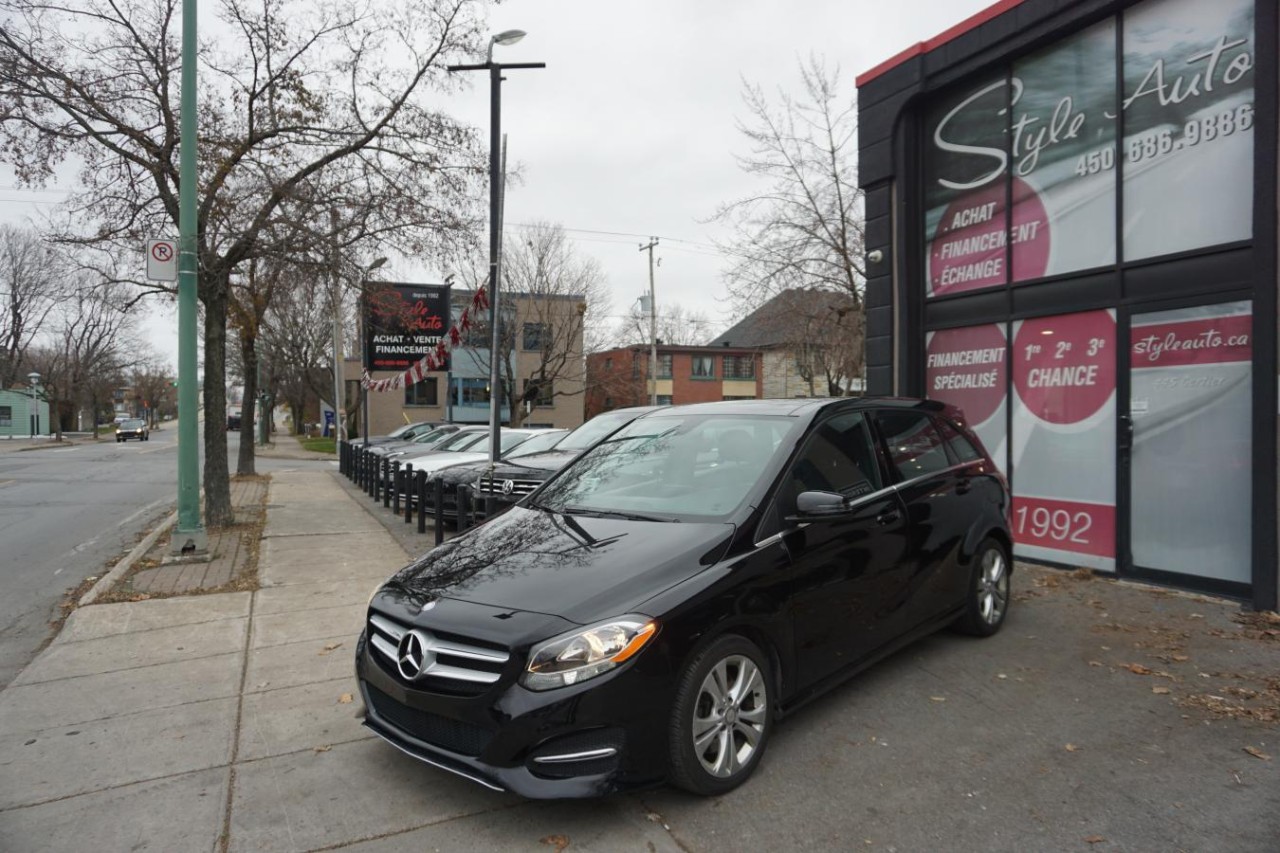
1072, 235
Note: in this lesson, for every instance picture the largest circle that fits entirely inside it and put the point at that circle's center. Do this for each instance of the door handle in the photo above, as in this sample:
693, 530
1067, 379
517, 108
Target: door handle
1124, 433
888, 517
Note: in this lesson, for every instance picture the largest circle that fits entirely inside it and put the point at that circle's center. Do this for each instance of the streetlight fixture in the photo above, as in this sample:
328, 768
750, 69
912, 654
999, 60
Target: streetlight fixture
33, 417
495, 70
364, 341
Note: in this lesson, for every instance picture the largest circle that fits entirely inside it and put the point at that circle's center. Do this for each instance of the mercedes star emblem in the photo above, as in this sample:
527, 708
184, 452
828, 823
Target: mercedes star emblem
411, 656
508, 487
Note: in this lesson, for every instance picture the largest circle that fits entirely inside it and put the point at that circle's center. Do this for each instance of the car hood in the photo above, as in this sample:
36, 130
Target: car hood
578, 568
536, 466
434, 462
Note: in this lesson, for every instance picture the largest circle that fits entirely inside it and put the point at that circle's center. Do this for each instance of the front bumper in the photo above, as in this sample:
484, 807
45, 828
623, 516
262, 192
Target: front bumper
588, 740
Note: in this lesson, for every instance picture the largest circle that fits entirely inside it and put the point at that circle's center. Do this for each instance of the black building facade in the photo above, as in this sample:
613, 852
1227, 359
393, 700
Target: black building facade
1072, 234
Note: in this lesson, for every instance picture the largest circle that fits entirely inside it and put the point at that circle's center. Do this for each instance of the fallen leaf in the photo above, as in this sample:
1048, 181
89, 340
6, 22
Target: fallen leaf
1002, 675
560, 842
1071, 747
345, 699
938, 698
1180, 658
329, 648
1095, 663
1196, 616
325, 748
1138, 669
1094, 839
1160, 690
1257, 753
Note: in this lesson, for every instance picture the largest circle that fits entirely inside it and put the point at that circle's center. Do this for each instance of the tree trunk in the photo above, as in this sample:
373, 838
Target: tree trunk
217, 479
248, 406
295, 410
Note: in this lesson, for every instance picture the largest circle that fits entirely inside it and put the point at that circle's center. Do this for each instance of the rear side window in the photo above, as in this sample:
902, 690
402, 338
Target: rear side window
960, 446
915, 447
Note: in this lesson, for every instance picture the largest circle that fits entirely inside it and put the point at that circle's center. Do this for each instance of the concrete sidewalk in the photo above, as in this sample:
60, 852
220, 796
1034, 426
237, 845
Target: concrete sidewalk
227, 721
1105, 716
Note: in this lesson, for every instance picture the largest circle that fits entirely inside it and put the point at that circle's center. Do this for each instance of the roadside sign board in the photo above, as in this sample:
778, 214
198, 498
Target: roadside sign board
162, 260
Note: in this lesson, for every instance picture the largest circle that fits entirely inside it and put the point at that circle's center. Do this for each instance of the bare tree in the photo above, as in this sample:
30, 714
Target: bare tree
295, 339
804, 227
31, 282
91, 340
560, 296
676, 325
154, 382
304, 105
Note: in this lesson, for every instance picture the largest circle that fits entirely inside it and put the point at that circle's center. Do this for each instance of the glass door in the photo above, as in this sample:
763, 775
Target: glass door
1190, 450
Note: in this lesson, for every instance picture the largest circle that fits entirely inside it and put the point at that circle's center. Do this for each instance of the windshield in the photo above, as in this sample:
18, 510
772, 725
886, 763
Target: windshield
671, 467
433, 437
539, 443
401, 430
134, 424
461, 440
593, 430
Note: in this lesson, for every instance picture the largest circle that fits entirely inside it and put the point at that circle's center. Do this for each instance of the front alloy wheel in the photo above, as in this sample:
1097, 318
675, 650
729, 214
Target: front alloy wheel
721, 719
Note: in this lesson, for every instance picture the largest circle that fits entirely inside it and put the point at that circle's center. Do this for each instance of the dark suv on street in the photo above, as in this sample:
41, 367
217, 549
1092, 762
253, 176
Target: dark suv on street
660, 603
132, 428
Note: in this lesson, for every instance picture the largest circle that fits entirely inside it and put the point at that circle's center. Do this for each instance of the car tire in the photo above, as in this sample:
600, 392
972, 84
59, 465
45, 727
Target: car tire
722, 717
987, 600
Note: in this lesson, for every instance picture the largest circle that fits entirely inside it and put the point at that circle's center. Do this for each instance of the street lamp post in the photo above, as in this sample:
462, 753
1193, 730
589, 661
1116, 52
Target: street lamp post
495, 70
364, 342
33, 383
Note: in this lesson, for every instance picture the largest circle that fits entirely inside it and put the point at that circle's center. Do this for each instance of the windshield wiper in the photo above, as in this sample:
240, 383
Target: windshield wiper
574, 509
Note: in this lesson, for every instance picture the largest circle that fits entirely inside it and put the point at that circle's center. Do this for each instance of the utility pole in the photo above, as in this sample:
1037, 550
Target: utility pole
337, 331
190, 536
653, 326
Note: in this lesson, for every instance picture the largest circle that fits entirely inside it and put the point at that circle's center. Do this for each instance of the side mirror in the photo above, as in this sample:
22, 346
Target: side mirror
819, 506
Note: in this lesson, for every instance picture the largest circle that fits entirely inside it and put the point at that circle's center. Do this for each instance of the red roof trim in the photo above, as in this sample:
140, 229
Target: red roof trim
969, 23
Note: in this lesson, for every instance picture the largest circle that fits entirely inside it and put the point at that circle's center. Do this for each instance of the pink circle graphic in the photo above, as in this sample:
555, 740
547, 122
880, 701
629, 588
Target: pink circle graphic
968, 250
967, 368
1064, 367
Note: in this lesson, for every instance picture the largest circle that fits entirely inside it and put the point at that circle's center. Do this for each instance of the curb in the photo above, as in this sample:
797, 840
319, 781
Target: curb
118, 570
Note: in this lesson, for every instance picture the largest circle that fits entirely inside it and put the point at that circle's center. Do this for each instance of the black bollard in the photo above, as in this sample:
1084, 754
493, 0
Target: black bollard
422, 501
395, 489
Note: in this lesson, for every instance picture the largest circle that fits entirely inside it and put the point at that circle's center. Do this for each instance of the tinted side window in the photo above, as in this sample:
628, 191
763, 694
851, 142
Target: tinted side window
838, 457
915, 447
960, 446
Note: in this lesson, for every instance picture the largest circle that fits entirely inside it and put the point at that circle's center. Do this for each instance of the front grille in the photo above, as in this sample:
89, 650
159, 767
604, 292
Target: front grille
497, 486
453, 735
451, 664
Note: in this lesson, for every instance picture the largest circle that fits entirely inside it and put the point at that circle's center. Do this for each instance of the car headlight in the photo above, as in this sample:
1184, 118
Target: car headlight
587, 653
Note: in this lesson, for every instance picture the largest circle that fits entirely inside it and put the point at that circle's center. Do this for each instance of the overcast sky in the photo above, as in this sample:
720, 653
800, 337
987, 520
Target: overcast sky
631, 126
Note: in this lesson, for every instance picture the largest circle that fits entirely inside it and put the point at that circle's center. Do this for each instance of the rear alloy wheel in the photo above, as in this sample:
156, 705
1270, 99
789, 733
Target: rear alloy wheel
988, 602
722, 717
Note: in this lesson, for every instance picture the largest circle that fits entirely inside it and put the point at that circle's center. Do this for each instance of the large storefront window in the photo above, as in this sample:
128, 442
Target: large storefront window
967, 368
1191, 403
1063, 443
1021, 171
1188, 122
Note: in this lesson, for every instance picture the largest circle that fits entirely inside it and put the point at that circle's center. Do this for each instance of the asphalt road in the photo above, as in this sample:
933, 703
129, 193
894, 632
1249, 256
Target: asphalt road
67, 513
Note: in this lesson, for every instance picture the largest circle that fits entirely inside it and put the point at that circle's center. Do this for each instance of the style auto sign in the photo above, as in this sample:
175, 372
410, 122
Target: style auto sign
405, 323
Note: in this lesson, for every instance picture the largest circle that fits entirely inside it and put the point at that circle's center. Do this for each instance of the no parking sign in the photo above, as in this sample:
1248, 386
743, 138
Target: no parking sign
162, 260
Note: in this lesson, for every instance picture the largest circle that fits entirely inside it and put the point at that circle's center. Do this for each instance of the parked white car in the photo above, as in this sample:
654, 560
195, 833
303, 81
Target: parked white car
475, 449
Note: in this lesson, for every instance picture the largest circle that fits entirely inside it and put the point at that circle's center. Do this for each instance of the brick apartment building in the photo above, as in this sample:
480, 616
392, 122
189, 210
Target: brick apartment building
619, 377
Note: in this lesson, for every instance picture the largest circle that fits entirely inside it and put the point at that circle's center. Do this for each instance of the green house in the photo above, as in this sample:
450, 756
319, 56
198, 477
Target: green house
16, 409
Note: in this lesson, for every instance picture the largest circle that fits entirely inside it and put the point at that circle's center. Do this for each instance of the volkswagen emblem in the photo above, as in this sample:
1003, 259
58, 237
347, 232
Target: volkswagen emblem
414, 655
508, 487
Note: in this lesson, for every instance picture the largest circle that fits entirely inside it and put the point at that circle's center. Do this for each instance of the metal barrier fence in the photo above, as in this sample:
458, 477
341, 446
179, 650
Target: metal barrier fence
409, 493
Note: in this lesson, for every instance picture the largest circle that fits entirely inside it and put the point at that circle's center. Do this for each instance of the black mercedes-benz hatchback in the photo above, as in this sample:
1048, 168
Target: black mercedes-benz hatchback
657, 606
